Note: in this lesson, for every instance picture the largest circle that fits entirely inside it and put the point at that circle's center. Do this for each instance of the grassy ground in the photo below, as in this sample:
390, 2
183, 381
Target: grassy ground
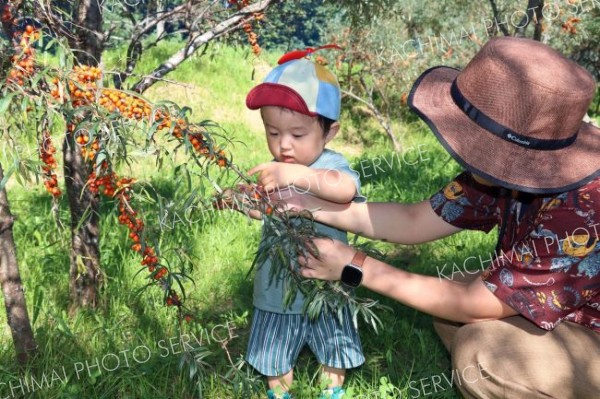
129, 347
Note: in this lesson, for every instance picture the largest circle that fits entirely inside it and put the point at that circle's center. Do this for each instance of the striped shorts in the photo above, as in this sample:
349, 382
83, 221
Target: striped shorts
276, 341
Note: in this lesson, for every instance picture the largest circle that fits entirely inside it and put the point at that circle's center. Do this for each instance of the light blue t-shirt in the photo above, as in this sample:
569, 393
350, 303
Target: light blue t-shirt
269, 291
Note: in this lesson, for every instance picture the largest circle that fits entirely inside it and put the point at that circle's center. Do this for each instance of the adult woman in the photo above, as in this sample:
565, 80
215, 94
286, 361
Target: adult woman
513, 119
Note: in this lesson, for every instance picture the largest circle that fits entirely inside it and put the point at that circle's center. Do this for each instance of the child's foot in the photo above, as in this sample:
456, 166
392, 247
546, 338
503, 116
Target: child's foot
272, 395
333, 393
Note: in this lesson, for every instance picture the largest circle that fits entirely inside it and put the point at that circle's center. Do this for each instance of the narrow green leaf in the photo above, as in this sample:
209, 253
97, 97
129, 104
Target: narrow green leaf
7, 175
5, 102
38, 297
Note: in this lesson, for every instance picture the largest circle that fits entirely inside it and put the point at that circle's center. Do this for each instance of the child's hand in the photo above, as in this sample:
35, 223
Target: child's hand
273, 175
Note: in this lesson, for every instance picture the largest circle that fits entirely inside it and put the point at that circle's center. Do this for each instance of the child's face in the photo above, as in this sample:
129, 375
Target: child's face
293, 137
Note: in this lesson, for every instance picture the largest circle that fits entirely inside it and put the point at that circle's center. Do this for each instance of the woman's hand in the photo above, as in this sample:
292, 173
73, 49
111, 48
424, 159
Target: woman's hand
333, 255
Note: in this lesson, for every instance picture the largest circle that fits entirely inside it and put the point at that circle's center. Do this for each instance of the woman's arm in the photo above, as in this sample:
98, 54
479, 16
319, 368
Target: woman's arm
450, 300
398, 223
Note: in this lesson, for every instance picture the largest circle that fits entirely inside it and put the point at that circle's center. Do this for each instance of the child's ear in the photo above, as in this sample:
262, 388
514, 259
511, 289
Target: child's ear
333, 130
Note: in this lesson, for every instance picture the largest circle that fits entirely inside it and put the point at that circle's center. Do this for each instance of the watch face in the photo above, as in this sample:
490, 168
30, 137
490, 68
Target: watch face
352, 275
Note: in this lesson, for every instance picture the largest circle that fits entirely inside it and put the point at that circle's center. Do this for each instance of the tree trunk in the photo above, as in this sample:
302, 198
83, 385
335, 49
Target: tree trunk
156, 7
85, 253
88, 38
14, 297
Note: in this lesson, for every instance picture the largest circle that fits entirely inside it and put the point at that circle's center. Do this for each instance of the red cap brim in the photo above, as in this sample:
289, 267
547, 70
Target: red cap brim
276, 95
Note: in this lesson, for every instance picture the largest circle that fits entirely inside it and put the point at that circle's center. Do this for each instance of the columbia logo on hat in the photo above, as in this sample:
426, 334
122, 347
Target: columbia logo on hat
518, 140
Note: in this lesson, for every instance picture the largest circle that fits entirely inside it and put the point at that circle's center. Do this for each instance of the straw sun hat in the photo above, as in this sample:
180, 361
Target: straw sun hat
514, 116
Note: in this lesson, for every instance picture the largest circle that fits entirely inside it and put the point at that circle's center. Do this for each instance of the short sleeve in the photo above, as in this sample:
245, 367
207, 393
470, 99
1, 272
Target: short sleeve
336, 161
553, 273
464, 204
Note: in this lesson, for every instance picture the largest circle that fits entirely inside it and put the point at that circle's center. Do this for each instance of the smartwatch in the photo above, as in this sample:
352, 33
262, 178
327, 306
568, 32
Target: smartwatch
352, 273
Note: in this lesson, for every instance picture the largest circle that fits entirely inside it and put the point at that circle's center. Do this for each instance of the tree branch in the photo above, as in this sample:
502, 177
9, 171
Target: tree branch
44, 12
503, 28
146, 26
383, 120
220, 29
532, 6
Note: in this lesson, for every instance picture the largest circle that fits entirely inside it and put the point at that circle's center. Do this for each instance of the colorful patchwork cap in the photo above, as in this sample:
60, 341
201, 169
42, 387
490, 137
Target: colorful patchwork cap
301, 85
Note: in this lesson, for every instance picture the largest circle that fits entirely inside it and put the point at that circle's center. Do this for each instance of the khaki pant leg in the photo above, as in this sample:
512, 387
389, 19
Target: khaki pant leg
513, 358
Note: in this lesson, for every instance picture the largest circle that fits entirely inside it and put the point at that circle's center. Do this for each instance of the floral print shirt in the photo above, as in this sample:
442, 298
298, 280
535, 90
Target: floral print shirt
547, 263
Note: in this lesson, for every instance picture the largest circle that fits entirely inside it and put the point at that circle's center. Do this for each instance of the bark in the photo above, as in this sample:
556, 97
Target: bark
85, 254
12, 288
157, 8
88, 39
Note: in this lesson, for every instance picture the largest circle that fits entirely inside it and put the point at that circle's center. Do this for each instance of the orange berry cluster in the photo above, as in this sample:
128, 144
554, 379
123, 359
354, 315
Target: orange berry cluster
247, 26
128, 217
121, 188
252, 38
23, 62
83, 89
173, 299
82, 84
88, 150
113, 186
569, 26
47, 151
106, 182
135, 108
150, 260
127, 105
200, 144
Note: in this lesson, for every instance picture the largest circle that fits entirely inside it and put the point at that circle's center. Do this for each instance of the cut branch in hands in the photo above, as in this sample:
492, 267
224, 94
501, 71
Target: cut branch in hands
287, 238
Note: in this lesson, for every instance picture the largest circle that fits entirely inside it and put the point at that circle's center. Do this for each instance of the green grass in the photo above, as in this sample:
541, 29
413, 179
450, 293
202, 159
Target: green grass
222, 248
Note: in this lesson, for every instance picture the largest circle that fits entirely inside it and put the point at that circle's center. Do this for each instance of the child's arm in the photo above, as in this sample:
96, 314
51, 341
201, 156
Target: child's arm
328, 184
